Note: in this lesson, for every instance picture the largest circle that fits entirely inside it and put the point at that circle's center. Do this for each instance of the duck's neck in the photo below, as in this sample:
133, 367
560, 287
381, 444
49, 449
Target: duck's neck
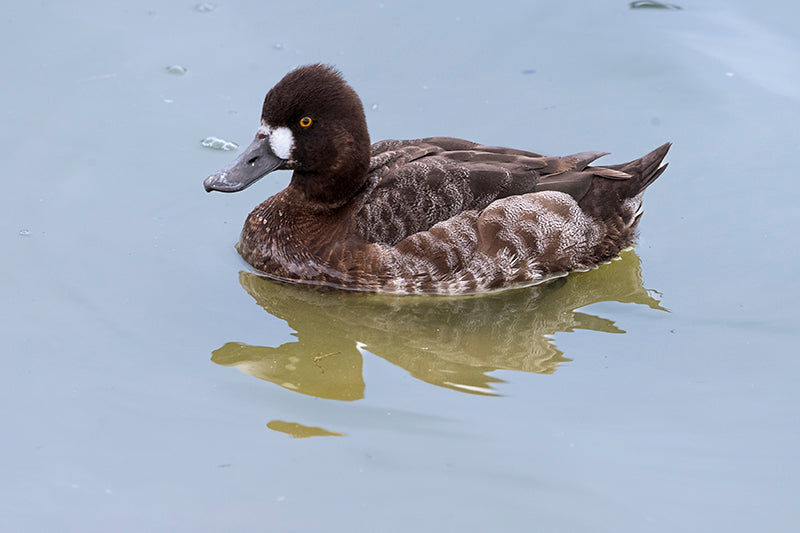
336, 173
319, 194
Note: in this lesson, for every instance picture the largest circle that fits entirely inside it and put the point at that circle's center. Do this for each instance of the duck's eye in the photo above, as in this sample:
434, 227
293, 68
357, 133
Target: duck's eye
305, 122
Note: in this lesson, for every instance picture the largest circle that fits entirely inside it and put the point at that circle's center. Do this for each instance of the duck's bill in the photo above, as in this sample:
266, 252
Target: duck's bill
254, 163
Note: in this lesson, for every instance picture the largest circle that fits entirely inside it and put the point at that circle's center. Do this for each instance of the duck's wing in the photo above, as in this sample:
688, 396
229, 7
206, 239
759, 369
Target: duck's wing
415, 184
509, 172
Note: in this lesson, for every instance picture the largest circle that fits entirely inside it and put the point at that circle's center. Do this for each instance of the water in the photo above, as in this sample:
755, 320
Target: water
152, 384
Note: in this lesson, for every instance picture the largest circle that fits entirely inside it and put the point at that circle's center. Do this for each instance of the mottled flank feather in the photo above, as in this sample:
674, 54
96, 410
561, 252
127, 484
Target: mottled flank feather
437, 215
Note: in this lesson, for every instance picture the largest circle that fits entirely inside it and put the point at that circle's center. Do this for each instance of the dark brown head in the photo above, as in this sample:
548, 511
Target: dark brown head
313, 123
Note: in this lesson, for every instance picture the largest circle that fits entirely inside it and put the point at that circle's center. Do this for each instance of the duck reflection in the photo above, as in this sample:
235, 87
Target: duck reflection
451, 342
299, 431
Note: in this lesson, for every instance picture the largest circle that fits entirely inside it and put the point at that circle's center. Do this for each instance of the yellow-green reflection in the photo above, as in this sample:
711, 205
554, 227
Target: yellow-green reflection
299, 431
447, 341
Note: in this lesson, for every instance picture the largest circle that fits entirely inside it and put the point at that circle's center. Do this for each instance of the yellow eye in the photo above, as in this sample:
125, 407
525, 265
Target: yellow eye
305, 122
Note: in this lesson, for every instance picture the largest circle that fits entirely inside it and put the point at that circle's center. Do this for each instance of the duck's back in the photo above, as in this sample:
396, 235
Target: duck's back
415, 184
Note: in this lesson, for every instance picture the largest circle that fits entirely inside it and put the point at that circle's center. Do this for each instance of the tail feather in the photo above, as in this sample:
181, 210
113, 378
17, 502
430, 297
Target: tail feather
646, 169
604, 197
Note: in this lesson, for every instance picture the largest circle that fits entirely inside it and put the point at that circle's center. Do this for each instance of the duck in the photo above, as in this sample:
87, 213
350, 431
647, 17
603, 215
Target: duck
437, 215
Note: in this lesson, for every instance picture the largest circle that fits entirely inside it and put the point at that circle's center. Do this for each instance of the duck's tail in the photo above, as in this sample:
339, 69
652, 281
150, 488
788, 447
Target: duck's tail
645, 170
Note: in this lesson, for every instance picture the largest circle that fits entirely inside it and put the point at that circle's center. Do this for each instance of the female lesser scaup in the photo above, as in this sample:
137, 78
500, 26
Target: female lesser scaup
436, 215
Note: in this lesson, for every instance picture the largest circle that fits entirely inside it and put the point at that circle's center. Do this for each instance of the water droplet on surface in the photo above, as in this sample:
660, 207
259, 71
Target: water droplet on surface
215, 143
278, 46
24, 232
730, 74
205, 7
177, 70
374, 107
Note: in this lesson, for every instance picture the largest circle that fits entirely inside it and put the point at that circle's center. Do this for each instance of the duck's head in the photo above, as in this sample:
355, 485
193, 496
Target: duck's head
313, 123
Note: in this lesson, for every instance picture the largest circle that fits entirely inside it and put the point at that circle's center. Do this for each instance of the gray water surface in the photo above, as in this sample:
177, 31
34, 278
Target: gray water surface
152, 383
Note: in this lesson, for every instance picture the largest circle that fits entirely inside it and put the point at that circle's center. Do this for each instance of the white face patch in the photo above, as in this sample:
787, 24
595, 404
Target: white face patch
281, 141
